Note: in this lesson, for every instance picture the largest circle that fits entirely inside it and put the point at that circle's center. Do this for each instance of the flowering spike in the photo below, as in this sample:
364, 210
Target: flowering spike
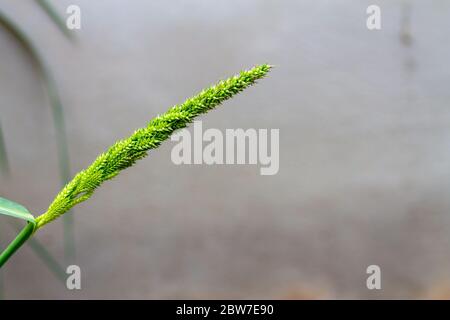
125, 153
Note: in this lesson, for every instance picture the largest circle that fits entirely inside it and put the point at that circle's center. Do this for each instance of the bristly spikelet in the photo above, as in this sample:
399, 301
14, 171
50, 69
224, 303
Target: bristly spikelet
125, 153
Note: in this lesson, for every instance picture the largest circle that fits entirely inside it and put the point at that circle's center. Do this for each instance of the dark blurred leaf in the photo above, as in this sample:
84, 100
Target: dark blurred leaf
4, 163
56, 18
58, 119
46, 257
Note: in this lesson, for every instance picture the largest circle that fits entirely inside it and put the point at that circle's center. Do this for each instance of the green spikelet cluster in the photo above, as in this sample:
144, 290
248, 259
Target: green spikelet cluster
125, 153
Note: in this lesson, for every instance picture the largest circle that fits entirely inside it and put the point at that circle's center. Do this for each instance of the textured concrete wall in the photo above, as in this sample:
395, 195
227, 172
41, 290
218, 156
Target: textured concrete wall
364, 125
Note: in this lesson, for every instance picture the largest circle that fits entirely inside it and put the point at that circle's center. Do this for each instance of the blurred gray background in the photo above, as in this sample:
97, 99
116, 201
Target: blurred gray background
364, 149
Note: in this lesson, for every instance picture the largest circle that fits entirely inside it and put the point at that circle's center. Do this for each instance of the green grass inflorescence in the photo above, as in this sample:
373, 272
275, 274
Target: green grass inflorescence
125, 153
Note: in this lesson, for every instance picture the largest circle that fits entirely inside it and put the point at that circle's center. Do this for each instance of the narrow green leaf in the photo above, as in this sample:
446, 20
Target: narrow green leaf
13, 209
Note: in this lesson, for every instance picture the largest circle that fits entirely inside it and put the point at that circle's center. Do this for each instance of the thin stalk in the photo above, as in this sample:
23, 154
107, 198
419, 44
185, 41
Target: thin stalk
4, 163
58, 120
63, 156
69, 245
48, 259
23, 236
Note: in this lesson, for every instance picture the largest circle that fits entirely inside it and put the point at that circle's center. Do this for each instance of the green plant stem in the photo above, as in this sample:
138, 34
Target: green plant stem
23, 236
